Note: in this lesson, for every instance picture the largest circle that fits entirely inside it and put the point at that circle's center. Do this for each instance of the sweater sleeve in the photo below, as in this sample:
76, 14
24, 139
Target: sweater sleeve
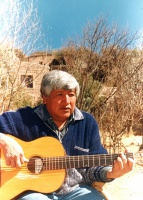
6, 124
16, 123
97, 174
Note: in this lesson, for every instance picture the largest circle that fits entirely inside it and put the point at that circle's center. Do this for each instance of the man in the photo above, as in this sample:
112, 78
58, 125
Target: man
78, 132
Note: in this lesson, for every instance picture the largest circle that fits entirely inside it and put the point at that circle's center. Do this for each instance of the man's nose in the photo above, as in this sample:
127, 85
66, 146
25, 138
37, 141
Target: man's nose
66, 98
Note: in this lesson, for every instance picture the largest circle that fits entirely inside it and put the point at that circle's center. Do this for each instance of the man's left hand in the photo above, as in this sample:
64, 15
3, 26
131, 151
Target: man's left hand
121, 166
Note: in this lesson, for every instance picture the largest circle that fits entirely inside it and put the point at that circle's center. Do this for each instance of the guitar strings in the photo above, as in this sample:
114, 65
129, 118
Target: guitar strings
63, 162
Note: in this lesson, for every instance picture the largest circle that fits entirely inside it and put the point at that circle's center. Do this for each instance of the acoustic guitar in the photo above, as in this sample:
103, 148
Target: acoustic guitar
45, 172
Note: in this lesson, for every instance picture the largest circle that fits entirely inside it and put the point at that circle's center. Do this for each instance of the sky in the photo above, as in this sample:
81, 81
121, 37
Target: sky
66, 18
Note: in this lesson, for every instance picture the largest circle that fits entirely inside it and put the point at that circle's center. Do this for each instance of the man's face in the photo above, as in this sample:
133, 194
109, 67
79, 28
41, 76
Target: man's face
60, 104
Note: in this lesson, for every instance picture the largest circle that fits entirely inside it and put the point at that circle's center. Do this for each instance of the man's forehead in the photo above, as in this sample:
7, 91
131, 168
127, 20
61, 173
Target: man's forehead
63, 90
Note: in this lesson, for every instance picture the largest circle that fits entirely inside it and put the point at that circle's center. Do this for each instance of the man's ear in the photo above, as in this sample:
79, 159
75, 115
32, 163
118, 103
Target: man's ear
44, 99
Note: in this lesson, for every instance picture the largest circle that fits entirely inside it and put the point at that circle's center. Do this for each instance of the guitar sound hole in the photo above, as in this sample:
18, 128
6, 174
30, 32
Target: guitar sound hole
35, 165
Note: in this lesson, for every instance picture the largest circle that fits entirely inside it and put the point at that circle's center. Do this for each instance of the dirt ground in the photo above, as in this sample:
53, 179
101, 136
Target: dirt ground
129, 186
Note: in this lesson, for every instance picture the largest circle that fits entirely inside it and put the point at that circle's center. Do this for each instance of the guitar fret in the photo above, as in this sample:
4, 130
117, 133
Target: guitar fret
93, 160
82, 161
78, 162
105, 159
99, 160
58, 164
45, 163
52, 163
69, 164
65, 162
49, 163
61, 162
74, 162
88, 160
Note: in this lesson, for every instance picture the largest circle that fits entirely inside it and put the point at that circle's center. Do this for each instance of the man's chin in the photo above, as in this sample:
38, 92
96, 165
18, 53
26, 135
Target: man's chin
65, 115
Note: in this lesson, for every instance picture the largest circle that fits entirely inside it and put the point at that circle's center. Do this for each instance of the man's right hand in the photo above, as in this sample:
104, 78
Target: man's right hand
13, 152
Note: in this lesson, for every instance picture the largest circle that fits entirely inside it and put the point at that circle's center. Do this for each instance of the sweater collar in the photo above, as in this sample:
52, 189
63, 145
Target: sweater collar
42, 112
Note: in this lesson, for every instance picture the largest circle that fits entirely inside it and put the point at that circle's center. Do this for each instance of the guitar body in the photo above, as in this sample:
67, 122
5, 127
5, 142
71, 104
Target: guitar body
14, 181
46, 169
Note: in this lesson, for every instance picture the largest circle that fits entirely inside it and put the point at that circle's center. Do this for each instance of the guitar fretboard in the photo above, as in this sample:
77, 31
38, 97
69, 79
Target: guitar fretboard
64, 162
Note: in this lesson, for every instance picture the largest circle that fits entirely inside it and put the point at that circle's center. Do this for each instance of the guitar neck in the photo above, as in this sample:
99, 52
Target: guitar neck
64, 162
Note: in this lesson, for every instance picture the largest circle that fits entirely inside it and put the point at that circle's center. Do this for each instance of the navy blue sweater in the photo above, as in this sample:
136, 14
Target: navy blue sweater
82, 138
26, 125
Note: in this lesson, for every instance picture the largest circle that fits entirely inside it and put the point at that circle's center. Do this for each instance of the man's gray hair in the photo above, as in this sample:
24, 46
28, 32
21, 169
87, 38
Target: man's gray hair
58, 79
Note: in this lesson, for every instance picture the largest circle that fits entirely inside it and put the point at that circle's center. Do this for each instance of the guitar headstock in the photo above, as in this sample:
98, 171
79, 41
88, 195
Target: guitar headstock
139, 158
